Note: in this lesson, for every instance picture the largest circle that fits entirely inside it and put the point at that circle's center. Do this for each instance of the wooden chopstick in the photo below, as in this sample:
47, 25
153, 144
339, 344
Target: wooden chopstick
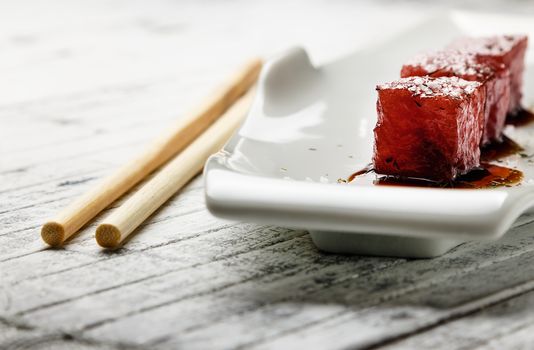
171, 178
72, 218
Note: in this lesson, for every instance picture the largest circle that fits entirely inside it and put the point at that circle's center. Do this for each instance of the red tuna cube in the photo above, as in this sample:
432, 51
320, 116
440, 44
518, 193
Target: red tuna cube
428, 128
495, 80
503, 49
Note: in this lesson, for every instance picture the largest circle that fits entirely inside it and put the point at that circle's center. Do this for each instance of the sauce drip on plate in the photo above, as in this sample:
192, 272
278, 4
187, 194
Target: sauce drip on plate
488, 175
521, 118
499, 150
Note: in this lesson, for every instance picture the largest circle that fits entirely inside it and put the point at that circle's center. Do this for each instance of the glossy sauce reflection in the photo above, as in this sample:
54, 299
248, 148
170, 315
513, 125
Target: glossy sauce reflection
486, 176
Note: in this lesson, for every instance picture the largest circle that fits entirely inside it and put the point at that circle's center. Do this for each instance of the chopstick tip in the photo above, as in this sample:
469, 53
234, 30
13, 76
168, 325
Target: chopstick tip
107, 236
53, 233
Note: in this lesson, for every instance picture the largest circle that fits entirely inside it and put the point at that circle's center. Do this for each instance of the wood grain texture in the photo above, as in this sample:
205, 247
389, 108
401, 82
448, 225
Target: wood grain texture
116, 227
479, 331
100, 79
186, 130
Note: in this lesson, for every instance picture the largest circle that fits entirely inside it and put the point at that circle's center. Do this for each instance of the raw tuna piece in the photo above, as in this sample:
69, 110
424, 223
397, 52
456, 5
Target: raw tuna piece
503, 49
494, 78
428, 127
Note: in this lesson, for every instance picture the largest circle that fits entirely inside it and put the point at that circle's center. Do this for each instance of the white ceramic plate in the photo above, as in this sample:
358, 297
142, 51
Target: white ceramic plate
310, 126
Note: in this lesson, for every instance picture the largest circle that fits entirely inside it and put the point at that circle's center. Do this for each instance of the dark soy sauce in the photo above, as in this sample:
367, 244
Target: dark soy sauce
486, 176
521, 118
368, 169
499, 150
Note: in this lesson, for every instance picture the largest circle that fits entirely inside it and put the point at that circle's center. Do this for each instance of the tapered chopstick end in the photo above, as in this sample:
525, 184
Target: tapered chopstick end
108, 236
53, 233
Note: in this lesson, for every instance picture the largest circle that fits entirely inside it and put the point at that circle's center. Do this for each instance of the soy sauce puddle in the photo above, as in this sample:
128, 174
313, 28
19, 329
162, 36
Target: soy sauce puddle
499, 150
486, 176
521, 118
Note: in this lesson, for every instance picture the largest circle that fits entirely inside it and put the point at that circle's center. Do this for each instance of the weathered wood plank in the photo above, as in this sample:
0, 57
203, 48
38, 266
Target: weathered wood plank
84, 241
170, 253
393, 315
517, 339
506, 325
374, 302
118, 269
399, 319
178, 285
22, 241
94, 129
18, 336
107, 49
38, 261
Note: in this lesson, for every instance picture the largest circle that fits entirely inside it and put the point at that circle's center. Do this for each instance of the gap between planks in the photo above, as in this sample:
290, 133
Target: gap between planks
460, 312
29, 336
504, 258
193, 266
189, 190
476, 331
389, 295
123, 250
